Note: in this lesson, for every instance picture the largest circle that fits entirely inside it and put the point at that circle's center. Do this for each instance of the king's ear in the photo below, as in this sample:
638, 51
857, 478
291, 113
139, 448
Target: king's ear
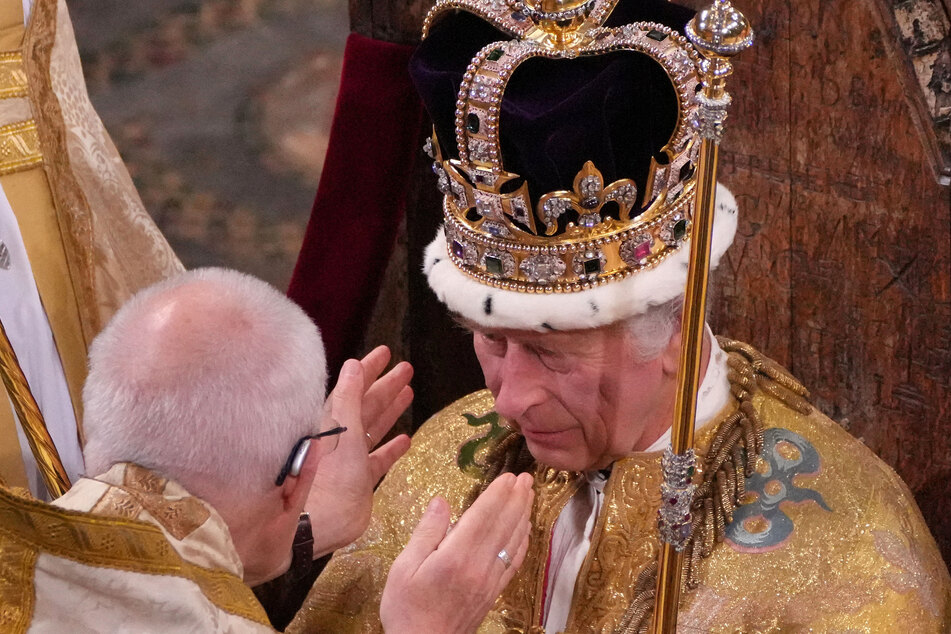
670, 356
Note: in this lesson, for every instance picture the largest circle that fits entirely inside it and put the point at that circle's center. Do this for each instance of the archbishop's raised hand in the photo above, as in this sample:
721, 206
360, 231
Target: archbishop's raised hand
367, 405
385, 399
447, 583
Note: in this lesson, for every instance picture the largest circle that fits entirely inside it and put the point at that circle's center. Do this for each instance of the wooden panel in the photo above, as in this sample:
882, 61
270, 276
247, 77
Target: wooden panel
924, 66
841, 266
752, 287
871, 234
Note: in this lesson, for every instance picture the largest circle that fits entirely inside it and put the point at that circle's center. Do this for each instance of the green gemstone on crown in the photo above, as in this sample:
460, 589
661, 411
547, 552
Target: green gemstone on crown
472, 123
493, 265
680, 229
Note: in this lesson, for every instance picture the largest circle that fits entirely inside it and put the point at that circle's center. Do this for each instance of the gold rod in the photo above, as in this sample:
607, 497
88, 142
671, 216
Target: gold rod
719, 32
670, 563
31, 419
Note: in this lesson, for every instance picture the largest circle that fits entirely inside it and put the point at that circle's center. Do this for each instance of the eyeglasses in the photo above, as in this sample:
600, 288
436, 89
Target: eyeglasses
295, 461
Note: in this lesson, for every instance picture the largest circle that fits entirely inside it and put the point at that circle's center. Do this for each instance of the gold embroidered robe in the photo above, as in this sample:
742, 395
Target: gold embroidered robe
126, 551
89, 240
830, 539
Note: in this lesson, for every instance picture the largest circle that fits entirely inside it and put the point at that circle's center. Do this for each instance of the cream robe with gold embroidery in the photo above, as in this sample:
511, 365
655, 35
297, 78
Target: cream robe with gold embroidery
830, 541
126, 551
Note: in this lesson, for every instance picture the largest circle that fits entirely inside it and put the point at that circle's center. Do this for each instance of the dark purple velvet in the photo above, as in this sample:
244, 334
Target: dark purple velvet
673, 15
617, 110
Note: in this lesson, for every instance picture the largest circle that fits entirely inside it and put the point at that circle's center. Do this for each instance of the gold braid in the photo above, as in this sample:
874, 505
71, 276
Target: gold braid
730, 459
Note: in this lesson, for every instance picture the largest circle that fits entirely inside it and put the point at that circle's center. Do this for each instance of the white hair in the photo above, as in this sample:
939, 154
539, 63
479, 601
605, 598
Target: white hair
650, 332
208, 378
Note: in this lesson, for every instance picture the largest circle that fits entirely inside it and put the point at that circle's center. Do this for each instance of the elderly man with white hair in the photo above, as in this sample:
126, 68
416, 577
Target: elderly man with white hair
566, 144
207, 437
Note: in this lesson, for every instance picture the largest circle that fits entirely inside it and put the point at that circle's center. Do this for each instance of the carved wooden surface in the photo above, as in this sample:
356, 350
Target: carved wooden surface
389, 20
842, 265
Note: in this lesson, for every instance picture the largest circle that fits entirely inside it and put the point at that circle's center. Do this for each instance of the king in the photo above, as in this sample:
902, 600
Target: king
569, 143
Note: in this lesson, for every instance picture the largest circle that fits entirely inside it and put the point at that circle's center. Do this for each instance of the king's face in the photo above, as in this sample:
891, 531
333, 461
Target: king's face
581, 398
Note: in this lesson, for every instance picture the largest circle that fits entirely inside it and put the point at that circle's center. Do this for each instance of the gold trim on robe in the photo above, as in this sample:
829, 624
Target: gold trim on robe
73, 212
12, 75
19, 147
90, 242
110, 537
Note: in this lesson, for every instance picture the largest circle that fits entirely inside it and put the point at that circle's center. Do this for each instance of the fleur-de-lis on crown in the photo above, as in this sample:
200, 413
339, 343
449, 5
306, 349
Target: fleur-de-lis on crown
587, 200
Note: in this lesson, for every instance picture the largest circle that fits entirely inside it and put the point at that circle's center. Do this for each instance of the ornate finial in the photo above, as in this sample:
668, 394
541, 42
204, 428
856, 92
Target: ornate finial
720, 30
562, 23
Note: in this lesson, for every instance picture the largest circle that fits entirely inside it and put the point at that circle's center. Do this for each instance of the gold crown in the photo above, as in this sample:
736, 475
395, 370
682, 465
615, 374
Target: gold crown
571, 240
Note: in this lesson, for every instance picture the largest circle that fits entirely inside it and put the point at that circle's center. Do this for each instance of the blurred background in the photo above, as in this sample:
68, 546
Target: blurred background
221, 110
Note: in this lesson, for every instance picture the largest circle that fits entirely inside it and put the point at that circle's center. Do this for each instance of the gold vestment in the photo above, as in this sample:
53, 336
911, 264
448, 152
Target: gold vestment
128, 550
829, 539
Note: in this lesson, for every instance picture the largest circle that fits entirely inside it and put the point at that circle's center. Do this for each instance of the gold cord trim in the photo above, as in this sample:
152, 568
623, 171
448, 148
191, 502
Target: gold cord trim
13, 81
31, 419
732, 457
120, 544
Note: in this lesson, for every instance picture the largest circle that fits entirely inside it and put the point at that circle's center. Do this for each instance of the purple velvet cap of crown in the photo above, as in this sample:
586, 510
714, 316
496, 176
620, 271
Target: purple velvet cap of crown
617, 109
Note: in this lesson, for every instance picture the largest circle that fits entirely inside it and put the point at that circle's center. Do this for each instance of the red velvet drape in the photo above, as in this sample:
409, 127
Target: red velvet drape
361, 198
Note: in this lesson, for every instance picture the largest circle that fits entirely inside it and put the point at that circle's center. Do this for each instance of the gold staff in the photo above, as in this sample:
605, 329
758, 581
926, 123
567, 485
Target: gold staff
719, 32
31, 419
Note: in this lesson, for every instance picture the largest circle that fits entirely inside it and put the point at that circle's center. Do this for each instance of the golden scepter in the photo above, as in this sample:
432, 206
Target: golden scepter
719, 32
31, 419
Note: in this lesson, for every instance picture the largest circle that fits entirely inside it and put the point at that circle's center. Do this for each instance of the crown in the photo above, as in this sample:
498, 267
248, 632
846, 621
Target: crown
500, 232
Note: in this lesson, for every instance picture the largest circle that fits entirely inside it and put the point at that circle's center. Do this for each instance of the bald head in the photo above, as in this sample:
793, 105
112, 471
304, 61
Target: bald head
208, 378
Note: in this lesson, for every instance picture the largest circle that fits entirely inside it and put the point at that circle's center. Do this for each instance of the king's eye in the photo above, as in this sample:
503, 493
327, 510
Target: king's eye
554, 361
493, 342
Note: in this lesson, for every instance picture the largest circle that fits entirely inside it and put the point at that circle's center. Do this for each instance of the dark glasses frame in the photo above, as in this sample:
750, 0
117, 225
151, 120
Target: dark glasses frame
295, 460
